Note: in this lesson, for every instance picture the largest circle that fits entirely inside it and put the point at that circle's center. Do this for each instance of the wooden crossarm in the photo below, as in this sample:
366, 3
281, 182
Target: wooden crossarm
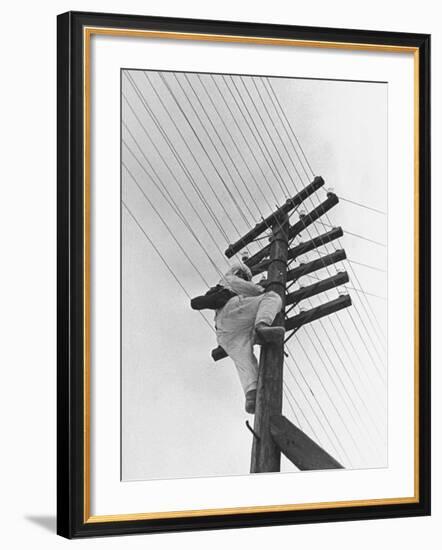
318, 312
275, 217
316, 288
303, 248
315, 265
299, 226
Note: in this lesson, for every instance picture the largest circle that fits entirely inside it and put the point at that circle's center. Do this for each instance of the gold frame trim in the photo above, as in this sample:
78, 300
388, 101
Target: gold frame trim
87, 33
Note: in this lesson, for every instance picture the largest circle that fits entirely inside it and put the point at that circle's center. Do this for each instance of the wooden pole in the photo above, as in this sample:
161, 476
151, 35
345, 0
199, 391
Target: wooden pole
299, 448
266, 455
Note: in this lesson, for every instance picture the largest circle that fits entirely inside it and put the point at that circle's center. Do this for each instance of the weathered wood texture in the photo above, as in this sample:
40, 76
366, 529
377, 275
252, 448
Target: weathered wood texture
316, 288
317, 312
266, 456
298, 447
302, 248
315, 265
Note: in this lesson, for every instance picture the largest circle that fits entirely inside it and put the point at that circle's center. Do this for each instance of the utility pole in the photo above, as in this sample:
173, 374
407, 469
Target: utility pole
273, 433
266, 455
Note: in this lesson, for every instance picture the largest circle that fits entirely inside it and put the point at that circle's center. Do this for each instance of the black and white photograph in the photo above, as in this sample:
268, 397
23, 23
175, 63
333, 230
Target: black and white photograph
221, 265
254, 300
243, 274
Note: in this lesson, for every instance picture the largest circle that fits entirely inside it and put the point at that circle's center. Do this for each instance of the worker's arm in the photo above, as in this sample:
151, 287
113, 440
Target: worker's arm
242, 287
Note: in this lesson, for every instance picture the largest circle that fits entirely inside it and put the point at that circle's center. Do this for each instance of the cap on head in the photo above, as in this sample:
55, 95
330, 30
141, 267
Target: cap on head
242, 271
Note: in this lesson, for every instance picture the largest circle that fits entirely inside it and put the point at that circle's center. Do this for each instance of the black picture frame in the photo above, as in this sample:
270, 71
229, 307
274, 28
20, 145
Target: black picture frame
72, 521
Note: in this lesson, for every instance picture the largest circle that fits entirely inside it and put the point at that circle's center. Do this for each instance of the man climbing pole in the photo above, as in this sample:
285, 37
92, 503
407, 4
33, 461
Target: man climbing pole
244, 313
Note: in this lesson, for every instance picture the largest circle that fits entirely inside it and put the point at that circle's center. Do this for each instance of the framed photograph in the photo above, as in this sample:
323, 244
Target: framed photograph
243, 274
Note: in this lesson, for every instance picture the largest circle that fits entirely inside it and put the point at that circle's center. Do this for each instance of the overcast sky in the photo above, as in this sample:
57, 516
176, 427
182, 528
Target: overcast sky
211, 153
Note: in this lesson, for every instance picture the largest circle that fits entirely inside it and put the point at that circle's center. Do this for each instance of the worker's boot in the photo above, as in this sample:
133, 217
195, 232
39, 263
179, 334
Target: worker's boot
268, 335
250, 401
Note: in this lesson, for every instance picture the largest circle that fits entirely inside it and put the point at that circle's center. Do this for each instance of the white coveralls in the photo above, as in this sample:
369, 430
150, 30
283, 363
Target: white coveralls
235, 324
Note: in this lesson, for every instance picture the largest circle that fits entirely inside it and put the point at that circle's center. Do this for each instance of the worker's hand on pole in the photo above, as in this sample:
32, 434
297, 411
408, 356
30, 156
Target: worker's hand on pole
263, 282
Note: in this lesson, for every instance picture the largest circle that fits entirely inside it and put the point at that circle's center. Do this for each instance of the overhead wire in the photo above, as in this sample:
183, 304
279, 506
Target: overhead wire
246, 142
275, 128
349, 287
348, 313
341, 452
307, 162
258, 113
263, 123
280, 138
276, 171
196, 134
357, 235
134, 180
261, 144
192, 154
232, 179
253, 80
165, 224
221, 141
357, 392
332, 444
176, 155
344, 402
366, 206
368, 333
293, 133
140, 227
351, 268
167, 196
290, 402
